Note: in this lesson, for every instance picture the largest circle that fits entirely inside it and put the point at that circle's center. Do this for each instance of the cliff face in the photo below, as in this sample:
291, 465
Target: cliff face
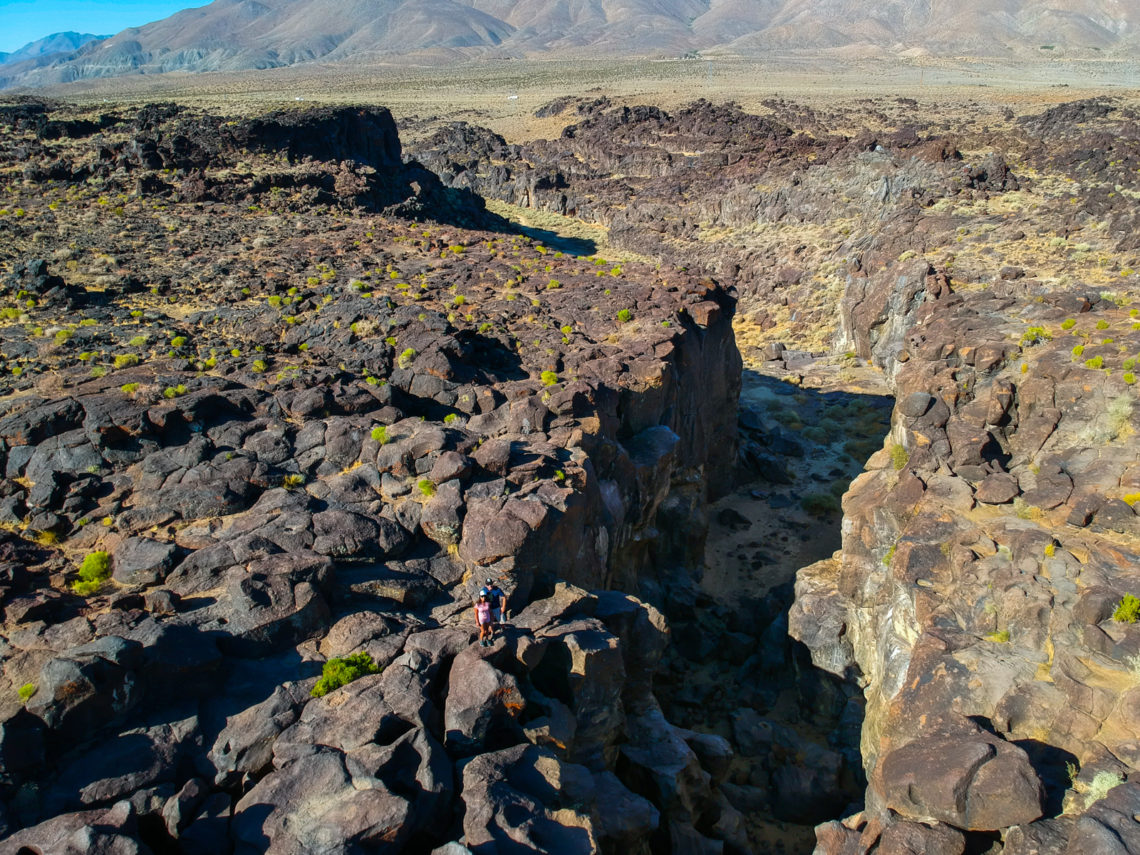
308, 429
984, 552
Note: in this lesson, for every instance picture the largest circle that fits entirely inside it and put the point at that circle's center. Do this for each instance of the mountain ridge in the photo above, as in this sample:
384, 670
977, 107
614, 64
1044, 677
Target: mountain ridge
237, 35
56, 43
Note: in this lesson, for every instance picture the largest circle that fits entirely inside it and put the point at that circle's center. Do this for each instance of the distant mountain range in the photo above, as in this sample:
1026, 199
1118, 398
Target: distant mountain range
50, 46
232, 35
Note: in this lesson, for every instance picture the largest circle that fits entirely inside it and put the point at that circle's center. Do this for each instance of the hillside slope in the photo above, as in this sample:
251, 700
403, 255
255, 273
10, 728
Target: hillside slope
230, 35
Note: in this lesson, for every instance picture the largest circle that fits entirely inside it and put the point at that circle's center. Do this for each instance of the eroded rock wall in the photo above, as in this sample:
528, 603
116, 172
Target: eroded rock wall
984, 551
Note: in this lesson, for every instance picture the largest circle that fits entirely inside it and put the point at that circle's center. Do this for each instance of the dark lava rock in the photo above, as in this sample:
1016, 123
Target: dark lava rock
997, 489
967, 778
141, 561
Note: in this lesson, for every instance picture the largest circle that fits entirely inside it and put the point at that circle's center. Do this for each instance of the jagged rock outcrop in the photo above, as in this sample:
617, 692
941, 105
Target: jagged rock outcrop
984, 553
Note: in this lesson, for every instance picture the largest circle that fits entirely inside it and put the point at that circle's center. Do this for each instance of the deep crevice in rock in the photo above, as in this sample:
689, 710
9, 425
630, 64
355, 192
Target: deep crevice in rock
732, 668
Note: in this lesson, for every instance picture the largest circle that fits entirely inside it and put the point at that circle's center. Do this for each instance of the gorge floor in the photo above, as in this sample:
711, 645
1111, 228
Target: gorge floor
823, 420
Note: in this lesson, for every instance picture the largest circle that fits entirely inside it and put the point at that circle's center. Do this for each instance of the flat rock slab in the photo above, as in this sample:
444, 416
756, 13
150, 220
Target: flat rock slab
142, 561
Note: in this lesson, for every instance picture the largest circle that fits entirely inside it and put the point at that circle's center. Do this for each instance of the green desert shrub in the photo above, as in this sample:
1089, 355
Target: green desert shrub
1101, 783
549, 378
380, 434
624, 316
341, 672
126, 360
817, 435
899, 456
1127, 610
820, 504
93, 572
427, 487
26, 691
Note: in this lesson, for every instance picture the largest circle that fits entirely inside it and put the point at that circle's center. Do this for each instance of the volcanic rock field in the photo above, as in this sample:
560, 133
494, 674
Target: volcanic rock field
814, 505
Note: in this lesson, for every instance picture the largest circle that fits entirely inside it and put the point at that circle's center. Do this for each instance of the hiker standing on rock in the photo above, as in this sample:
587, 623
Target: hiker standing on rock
483, 619
496, 597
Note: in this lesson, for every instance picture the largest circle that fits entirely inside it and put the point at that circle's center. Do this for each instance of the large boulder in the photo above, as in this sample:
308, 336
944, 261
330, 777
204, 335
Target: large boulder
344, 534
244, 747
583, 667
104, 831
1109, 826
483, 704
964, 776
524, 799
88, 688
121, 765
273, 602
417, 767
317, 804
143, 561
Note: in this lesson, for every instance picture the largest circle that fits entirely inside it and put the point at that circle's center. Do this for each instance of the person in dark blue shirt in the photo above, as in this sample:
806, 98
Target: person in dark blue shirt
497, 598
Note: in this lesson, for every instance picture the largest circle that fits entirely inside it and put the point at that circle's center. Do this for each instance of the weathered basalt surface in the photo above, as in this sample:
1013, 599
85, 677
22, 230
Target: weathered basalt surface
986, 547
711, 185
301, 427
808, 209
983, 554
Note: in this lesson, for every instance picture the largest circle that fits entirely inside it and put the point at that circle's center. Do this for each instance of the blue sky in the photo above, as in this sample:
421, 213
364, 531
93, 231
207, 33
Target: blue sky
23, 21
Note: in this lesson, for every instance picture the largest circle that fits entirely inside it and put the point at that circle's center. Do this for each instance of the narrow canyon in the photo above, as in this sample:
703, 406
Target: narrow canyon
801, 443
